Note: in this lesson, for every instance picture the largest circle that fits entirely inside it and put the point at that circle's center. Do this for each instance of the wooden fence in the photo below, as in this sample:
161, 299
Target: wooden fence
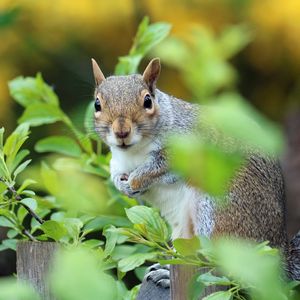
34, 259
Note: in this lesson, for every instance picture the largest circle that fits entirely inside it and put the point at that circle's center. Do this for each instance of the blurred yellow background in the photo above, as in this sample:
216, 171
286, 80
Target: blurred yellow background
59, 37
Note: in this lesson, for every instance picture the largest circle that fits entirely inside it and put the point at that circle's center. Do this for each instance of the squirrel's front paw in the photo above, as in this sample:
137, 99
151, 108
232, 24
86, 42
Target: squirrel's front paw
123, 186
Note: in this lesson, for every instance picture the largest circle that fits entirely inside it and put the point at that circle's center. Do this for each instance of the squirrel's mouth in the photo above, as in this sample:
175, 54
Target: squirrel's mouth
124, 146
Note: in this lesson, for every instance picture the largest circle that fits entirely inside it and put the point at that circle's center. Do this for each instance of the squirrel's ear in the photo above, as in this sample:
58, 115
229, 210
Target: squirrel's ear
151, 73
98, 75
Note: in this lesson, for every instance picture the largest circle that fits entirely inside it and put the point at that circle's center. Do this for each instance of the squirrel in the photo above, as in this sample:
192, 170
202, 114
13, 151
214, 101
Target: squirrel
134, 119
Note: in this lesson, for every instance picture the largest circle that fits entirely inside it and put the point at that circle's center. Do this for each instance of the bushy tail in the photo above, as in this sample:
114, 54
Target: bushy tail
293, 259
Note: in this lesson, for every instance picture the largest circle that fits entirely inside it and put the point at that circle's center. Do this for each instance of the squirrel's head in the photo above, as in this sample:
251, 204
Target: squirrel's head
126, 110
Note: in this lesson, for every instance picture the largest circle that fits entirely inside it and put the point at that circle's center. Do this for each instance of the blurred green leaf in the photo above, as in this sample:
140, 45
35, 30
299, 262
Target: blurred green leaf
50, 179
53, 229
59, 144
131, 262
202, 58
253, 130
11, 289
219, 296
30, 91
11, 233
217, 167
89, 121
148, 36
260, 273
1, 138
41, 113
77, 275
25, 184
233, 39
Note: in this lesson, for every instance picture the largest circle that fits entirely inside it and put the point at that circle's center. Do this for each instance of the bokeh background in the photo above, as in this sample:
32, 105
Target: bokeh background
58, 38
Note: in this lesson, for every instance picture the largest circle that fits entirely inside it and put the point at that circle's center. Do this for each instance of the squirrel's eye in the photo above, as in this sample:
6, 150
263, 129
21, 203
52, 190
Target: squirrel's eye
147, 101
97, 105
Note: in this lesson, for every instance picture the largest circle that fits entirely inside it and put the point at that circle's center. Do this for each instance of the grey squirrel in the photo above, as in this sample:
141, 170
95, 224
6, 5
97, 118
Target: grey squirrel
134, 118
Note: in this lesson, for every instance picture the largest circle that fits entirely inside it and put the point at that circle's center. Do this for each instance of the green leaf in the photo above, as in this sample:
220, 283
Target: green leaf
10, 244
251, 268
22, 213
149, 223
73, 226
30, 202
149, 36
217, 166
83, 278
11, 233
187, 247
146, 38
13, 144
53, 229
13, 289
21, 167
89, 121
254, 130
195, 288
50, 179
131, 262
1, 137
3, 187
92, 243
59, 144
219, 296
111, 240
18, 159
122, 251
233, 40
209, 279
99, 222
9, 215
30, 91
41, 113
25, 184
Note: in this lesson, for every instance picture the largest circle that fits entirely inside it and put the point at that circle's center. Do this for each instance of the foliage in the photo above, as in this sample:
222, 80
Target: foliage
70, 199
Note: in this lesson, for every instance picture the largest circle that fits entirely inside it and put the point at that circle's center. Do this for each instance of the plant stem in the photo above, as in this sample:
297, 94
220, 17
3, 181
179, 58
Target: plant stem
19, 198
29, 235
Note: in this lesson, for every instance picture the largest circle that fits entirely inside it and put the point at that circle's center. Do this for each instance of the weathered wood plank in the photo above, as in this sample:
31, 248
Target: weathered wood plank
33, 263
180, 279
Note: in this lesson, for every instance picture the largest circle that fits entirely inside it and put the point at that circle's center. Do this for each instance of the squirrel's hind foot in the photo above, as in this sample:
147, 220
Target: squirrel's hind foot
159, 275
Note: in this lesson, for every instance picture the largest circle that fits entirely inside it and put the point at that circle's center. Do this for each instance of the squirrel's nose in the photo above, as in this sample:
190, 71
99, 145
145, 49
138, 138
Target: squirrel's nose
122, 134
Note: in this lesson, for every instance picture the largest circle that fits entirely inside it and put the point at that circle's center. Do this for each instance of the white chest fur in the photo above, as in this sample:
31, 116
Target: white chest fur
186, 209
125, 161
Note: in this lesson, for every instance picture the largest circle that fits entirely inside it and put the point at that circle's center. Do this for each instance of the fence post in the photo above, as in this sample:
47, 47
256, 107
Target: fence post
180, 276
33, 262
